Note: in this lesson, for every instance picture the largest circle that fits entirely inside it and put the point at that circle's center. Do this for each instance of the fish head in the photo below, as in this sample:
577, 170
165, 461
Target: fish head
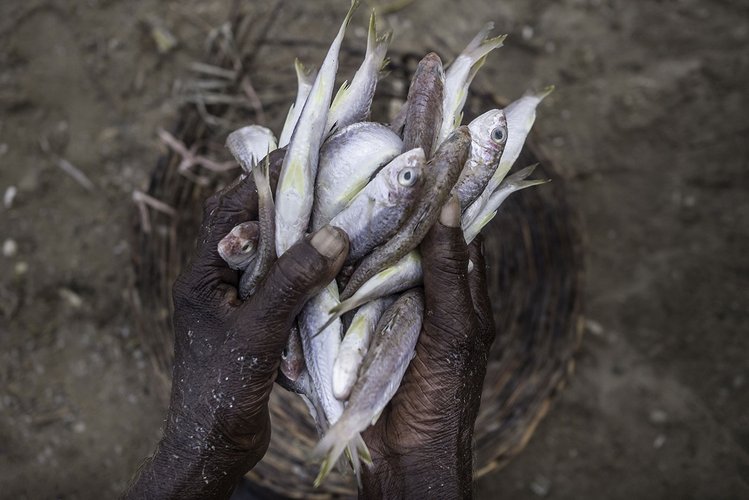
239, 247
488, 136
404, 176
250, 144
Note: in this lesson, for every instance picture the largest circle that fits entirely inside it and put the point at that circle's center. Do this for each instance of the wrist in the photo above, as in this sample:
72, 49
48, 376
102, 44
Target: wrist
196, 463
437, 471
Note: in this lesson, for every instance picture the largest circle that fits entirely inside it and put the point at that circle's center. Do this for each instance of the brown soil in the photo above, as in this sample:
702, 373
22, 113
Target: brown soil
648, 124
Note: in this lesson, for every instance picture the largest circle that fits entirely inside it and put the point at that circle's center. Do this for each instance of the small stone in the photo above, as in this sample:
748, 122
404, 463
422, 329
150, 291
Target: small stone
540, 486
527, 32
658, 416
659, 441
79, 427
10, 248
9, 196
73, 299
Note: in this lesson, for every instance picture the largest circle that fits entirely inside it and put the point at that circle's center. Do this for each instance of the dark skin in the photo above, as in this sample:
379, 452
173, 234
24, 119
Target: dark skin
227, 354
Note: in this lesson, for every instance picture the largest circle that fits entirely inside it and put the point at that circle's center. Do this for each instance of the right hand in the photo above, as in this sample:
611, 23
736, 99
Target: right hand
422, 441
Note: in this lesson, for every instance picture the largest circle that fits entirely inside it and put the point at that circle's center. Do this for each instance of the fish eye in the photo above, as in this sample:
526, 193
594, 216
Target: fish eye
498, 134
246, 247
407, 177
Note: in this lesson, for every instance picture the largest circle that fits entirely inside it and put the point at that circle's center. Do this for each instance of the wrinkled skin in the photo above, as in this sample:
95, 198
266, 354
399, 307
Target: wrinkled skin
422, 441
227, 353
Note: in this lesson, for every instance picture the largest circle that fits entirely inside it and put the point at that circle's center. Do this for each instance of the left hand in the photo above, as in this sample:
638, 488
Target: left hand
227, 354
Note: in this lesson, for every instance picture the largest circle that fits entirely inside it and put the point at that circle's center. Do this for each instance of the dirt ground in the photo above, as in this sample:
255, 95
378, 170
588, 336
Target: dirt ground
649, 125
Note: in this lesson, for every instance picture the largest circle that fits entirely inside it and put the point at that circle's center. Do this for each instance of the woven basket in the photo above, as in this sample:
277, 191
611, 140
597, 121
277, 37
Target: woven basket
533, 250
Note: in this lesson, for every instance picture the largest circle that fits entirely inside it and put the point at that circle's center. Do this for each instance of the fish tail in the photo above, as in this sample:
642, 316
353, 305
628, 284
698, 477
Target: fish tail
336, 313
261, 175
349, 14
541, 94
481, 45
304, 75
377, 46
343, 436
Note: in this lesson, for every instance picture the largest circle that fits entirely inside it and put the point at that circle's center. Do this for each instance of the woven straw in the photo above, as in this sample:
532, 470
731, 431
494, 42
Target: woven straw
533, 250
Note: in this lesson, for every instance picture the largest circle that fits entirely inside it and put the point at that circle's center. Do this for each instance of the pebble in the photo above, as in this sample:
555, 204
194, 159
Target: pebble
540, 486
9, 196
659, 441
79, 427
658, 416
21, 268
10, 248
73, 299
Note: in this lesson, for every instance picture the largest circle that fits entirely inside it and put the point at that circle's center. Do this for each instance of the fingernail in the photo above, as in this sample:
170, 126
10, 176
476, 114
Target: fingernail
329, 242
450, 214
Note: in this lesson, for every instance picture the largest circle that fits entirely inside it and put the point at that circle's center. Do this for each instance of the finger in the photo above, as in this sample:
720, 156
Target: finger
299, 274
449, 308
478, 285
233, 205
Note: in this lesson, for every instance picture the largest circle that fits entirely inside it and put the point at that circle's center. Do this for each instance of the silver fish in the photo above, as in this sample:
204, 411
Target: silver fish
423, 113
381, 374
404, 274
239, 247
520, 116
459, 76
376, 213
292, 358
352, 103
355, 345
321, 350
442, 172
348, 159
513, 183
250, 144
305, 78
266, 251
295, 191
488, 138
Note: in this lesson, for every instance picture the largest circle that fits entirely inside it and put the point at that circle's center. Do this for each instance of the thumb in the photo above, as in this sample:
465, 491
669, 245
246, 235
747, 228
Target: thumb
299, 274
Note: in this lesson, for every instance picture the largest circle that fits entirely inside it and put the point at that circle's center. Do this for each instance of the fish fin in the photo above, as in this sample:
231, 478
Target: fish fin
339, 310
376, 417
261, 175
363, 450
483, 221
519, 184
340, 95
523, 173
458, 120
476, 67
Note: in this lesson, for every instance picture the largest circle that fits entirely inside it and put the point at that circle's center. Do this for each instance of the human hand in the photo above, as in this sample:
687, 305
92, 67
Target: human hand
422, 441
227, 354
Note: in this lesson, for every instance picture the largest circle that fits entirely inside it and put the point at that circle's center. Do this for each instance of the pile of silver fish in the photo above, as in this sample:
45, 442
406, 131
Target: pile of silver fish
384, 185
